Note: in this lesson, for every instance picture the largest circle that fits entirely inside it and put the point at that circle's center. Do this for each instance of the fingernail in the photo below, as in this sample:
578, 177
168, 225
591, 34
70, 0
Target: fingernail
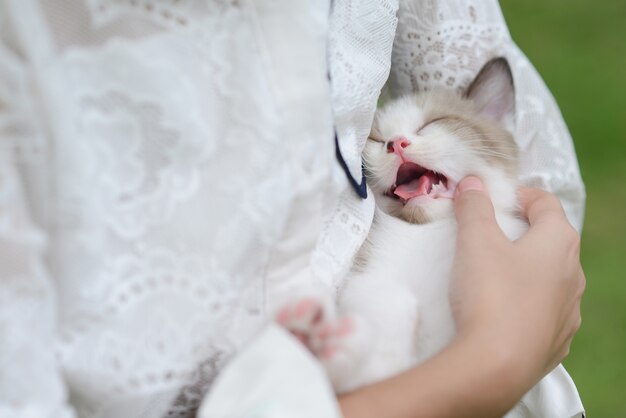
470, 183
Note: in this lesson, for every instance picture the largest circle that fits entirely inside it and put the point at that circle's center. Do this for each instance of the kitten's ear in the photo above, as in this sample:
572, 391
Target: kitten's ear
493, 92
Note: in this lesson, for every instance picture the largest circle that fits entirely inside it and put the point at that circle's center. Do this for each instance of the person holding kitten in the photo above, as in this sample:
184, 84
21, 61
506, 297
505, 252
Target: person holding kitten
169, 177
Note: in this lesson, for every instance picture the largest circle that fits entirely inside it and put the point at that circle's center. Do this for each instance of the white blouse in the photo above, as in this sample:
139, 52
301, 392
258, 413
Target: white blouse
167, 170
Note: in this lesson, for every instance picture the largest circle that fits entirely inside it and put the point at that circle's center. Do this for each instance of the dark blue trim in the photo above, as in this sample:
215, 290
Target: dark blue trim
360, 189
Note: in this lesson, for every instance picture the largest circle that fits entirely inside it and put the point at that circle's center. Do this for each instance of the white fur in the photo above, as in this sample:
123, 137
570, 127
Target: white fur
401, 297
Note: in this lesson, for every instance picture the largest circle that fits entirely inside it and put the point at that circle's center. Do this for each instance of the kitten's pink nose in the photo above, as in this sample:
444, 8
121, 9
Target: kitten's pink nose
396, 145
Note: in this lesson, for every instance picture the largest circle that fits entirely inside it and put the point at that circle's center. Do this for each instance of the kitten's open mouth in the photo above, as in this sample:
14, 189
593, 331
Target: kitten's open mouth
413, 180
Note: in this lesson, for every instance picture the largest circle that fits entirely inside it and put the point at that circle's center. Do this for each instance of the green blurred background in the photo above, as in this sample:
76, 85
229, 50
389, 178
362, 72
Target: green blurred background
579, 47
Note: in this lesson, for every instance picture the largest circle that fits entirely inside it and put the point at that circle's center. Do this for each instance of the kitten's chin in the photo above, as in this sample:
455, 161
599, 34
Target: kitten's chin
418, 210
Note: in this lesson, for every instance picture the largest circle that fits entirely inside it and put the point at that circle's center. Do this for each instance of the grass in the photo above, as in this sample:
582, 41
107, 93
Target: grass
579, 47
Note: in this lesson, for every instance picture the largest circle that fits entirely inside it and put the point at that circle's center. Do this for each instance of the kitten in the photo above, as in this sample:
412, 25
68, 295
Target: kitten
394, 310
420, 146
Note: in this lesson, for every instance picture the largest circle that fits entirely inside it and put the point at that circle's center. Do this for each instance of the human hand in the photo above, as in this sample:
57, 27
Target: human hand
516, 307
521, 299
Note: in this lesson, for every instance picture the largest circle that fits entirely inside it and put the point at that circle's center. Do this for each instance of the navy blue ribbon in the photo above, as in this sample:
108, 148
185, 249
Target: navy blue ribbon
360, 189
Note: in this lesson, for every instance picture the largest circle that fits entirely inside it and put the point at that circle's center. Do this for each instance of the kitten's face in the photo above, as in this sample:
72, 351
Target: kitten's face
422, 145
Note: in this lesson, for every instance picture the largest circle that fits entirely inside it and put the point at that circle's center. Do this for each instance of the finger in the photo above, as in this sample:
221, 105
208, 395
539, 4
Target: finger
582, 284
472, 206
538, 205
549, 227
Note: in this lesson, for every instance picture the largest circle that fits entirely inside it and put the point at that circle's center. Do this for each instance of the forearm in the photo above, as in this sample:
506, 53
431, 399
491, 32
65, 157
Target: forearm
468, 379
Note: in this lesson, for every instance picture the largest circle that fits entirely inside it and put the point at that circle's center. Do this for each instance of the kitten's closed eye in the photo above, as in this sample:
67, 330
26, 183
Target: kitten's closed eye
376, 136
430, 122
371, 138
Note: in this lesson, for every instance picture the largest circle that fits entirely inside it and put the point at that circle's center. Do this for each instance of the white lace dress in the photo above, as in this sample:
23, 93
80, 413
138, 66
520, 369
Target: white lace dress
168, 167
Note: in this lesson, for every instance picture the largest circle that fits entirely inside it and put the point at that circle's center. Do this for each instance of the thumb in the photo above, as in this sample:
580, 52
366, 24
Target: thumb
472, 205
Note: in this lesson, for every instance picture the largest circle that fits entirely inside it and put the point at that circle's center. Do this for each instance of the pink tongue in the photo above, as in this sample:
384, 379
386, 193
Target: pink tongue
414, 188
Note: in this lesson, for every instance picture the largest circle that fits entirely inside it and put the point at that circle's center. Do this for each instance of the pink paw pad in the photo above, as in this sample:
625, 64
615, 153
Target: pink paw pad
306, 320
301, 318
304, 312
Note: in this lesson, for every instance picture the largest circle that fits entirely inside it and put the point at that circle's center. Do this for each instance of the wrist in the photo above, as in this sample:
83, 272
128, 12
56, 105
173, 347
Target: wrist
497, 369
514, 348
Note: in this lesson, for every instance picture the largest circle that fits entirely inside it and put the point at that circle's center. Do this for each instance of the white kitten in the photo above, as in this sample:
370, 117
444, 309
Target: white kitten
394, 308
419, 148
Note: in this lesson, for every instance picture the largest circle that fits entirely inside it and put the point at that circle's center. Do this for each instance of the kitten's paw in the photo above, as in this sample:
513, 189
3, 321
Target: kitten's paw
302, 318
338, 343
310, 323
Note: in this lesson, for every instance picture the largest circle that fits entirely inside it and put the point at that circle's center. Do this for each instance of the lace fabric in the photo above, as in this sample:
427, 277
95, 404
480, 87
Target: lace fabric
141, 270
163, 174
359, 49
